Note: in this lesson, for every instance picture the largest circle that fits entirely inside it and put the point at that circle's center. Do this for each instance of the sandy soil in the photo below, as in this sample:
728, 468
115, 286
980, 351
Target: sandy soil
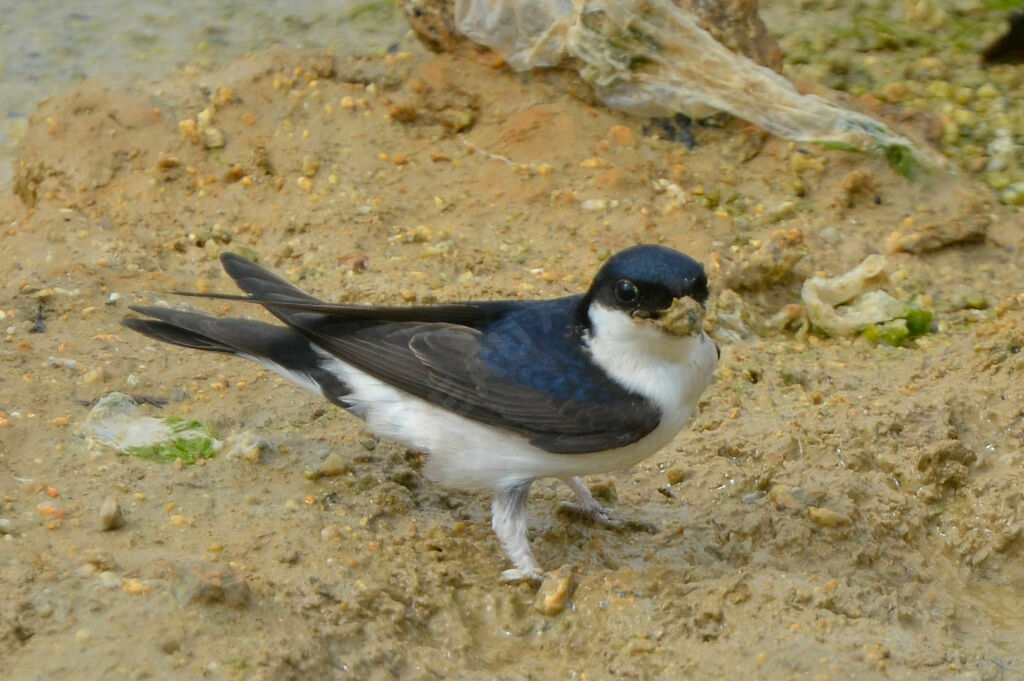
839, 510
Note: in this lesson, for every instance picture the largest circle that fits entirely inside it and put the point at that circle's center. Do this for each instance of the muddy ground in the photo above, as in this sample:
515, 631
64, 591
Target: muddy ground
838, 510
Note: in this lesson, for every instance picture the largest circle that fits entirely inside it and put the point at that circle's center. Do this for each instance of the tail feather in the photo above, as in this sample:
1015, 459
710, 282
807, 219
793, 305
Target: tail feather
261, 283
176, 335
278, 348
203, 332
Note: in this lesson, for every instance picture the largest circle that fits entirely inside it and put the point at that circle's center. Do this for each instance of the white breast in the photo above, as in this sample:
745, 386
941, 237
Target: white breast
670, 371
471, 455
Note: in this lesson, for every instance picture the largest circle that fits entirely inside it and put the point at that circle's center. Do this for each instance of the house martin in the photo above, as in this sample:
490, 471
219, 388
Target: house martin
498, 393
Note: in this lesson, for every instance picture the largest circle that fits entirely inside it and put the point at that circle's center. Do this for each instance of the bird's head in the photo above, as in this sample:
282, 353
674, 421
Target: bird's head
651, 286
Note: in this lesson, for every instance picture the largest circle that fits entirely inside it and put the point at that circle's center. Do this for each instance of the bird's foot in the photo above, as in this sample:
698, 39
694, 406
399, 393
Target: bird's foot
532, 575
602, 516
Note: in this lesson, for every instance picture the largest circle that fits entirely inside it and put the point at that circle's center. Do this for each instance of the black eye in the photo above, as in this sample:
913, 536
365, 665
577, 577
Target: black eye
626, 291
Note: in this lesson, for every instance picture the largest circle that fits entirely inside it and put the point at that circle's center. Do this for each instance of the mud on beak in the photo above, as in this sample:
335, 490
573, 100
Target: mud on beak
685, 317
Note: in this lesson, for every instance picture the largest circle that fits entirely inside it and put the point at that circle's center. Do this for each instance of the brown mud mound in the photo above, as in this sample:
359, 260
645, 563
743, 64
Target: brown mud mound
839, 510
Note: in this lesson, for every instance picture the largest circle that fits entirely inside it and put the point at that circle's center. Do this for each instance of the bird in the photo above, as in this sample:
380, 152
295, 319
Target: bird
497, 393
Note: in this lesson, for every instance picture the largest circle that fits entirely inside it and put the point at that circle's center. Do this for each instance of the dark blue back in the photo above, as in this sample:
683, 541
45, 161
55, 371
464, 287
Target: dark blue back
535, 347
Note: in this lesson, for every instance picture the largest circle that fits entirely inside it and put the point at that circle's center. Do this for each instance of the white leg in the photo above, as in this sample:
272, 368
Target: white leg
588, 504
508, 518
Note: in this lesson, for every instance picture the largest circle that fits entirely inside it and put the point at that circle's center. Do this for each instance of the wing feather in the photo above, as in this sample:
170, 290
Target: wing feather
442, 364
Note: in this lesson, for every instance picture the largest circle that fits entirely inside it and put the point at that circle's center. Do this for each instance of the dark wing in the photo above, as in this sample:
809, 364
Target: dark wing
442, 364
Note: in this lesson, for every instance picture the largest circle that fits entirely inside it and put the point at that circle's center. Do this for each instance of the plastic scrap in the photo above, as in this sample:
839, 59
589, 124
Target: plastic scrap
115, 422
853, 303
652, 58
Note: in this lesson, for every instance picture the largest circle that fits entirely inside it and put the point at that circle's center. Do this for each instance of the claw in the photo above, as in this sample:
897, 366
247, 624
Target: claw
589, 509
602, 516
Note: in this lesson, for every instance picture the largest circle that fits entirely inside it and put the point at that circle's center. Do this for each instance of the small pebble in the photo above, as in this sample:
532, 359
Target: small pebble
205, 583
170, 646
940, 89
975, 301
111, 516
621, 136
783, 498
248, 446
1013, 195
895, 92
98, 375
987, 91
826, 517
189, 130
110, 579
310, 165
333, 465
330, 533
212, 138
135, 587
554, 592
62, 363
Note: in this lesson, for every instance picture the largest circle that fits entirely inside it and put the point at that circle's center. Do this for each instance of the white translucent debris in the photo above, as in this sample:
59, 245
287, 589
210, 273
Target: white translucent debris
651, 58
115, 422
825, 300
527, 34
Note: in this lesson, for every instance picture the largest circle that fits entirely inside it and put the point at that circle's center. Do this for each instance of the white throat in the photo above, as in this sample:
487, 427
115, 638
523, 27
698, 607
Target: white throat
670, 371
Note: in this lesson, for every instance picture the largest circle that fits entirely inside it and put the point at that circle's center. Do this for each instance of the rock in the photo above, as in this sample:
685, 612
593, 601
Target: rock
946, 464
170, 646
621, 136
732, 318
769, 264
331, 533
1013, 195
737, 25
917, 237
111, 516
333, 465
212, 138
205, 583
554, 591
310, 165
110, 579
99, 560
785, 498
249, 446
826, 517
433, 22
